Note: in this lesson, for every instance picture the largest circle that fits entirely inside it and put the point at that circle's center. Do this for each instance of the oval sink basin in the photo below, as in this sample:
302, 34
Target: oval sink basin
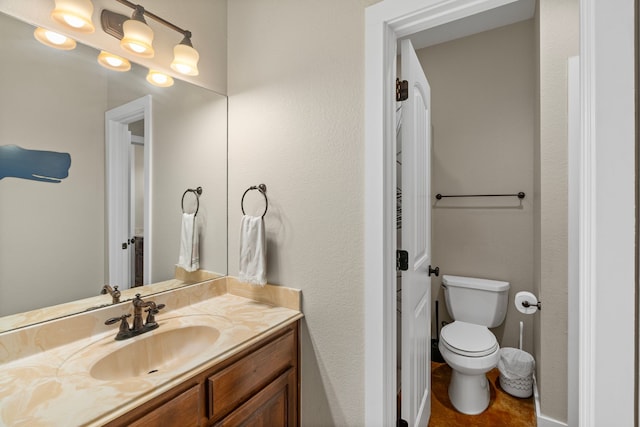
156, 353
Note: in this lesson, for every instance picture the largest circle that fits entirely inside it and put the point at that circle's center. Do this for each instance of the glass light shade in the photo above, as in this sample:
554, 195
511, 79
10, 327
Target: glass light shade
157, 78
113, 62
138, 38
53, 39
185, 60
74, 14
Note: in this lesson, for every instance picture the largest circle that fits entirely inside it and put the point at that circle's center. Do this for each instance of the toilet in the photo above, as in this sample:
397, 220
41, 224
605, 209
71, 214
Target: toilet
467, 344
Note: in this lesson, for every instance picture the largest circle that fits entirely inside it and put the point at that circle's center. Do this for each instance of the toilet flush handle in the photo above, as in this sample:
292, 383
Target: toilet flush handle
435, 271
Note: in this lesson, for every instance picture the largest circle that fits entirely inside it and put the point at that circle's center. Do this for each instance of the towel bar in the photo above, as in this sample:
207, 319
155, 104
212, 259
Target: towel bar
197, 192
262, 189
519, 195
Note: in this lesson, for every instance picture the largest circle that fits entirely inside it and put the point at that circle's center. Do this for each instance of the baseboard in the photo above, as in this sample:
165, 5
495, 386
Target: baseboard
543, 420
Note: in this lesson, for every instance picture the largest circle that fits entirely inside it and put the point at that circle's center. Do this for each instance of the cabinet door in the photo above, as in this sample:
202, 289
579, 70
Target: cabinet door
181, 411
273, 406
233, 385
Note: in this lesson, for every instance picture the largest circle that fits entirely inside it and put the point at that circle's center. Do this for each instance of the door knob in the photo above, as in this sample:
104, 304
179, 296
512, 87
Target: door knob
435, 271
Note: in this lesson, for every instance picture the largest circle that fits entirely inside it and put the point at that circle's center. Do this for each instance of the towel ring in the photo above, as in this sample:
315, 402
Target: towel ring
262, 189
197, 192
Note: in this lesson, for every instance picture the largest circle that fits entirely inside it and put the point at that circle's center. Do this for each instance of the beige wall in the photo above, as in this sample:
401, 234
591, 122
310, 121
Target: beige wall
482, 92
558, 40
296, 116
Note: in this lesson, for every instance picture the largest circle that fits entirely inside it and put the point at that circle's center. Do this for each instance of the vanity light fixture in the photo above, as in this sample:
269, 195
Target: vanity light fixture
113, 62
185, 57
159, 79
74, 15
53, 39
137, 35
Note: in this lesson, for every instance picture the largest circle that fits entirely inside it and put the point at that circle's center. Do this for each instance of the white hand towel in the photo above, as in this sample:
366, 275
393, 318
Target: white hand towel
253, 251
189, 258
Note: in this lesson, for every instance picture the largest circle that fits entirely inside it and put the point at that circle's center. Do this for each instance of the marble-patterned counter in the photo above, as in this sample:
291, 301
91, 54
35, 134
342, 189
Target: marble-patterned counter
45, 375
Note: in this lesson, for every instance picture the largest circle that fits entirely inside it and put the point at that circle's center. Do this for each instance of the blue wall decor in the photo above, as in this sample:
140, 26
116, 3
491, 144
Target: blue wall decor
45, 166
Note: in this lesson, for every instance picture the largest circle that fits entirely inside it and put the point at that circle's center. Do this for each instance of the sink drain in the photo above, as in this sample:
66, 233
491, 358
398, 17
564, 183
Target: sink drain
152, 371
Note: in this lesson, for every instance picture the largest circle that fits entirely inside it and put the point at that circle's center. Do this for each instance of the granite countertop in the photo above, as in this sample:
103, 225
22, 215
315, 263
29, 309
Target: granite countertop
45, 375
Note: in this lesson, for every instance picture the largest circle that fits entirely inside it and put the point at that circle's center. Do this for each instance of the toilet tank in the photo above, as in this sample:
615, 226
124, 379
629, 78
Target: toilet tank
478, 301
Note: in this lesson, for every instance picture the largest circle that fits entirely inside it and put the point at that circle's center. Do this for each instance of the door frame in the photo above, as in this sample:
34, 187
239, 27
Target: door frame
607, 216
117, 121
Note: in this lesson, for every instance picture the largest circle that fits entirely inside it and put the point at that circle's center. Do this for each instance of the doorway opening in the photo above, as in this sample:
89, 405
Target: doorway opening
128, 176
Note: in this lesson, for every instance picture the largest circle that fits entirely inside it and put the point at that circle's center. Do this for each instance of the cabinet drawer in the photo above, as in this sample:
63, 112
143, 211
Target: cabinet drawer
233, 385
182, 410
273, 406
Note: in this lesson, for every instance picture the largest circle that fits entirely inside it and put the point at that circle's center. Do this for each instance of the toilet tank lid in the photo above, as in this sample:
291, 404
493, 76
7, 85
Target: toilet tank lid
475, 283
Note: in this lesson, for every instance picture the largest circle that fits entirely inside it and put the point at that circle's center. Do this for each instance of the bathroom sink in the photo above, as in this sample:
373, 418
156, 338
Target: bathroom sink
156, 353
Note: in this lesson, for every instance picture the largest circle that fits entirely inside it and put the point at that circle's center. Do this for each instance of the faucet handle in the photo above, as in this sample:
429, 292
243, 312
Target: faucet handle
113, 320
124, 331
151, 312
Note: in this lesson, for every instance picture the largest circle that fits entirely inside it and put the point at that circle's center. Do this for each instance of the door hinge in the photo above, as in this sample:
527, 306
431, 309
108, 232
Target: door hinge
402, 90
402, 260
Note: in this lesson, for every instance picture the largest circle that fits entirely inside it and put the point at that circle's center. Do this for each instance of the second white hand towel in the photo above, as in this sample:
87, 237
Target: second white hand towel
189, 258
253, 251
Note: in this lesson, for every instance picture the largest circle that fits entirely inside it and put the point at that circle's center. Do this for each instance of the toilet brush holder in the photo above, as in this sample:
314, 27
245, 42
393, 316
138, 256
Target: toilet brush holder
436, 356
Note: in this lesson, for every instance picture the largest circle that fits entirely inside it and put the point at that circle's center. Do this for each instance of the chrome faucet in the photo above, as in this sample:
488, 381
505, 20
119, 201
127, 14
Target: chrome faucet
138, 327
113, 291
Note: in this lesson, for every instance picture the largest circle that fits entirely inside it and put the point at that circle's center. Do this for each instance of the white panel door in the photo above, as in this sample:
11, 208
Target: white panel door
118, 205
416, 240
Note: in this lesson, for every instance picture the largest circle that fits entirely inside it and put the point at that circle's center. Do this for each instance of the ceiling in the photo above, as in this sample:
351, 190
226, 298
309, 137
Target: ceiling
516, 11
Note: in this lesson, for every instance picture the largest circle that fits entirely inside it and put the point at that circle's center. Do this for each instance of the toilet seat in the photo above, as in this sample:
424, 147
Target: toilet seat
468, 339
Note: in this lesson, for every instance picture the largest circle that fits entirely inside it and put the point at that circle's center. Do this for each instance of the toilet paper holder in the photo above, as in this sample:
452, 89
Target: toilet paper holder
527, 304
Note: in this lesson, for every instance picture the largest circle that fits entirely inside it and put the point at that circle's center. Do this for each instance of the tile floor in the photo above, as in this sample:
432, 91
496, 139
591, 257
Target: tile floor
504, 410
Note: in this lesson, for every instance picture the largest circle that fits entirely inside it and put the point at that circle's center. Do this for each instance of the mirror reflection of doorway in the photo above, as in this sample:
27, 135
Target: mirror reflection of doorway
129, 141
136, 217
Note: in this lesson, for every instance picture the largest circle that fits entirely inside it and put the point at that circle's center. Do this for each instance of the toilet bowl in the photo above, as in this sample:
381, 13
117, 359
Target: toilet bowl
471, 351
467, 345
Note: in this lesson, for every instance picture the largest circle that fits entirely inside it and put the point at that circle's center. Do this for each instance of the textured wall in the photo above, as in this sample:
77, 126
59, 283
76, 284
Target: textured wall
482, 92
296, 123
557, 26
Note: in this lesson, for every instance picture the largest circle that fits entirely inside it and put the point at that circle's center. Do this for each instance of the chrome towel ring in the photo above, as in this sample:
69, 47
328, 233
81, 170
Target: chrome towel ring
262, 189
197, 192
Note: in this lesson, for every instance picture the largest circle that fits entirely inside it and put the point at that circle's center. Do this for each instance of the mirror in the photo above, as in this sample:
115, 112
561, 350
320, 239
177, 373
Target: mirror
53, 245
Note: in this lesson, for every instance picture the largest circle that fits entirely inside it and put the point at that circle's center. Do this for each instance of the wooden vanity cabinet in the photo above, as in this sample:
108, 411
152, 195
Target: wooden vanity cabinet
257, 387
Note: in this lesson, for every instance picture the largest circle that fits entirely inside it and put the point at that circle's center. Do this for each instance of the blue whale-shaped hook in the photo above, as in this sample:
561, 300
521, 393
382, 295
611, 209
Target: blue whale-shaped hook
37, 165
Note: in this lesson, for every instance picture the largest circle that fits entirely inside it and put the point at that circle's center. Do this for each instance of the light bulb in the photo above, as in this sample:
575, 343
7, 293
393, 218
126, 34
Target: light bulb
74, 21
157, 78
184, 69
74, 15
53, 39
113, 62
137, 47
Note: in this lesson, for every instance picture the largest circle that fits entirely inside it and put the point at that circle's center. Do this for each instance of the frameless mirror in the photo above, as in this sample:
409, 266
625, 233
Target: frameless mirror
54, 245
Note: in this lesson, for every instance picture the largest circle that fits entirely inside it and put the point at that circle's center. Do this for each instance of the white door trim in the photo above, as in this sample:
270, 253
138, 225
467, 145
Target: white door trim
607, 205
606, 263
116, 122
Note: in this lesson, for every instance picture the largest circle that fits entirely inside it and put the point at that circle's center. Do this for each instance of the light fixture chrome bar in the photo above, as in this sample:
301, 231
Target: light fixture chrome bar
155, 17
